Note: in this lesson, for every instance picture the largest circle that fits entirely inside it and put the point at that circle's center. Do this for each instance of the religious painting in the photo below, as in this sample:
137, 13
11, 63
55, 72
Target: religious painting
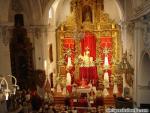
50, 53
62, 70
87, 14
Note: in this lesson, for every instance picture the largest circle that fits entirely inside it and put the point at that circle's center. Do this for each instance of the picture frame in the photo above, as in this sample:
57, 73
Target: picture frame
51, 53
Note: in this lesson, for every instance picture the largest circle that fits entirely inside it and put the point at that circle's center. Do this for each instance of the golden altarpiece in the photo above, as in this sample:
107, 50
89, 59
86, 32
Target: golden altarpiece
88, 19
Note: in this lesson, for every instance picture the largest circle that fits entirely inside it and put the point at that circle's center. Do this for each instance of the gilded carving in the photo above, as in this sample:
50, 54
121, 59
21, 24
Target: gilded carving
88, 15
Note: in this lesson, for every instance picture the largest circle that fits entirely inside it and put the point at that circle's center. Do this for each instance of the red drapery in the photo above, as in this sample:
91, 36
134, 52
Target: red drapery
89, 73
89, 41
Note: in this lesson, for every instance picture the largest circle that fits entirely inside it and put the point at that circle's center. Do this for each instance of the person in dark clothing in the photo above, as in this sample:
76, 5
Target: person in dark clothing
36, 102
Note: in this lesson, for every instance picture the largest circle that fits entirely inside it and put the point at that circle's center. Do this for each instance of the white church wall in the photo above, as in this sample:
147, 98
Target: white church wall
144, 96
144, 80
142, 64
136, 56
4, 6
138, 3
5, 64
52, 40
62, 10
111, 7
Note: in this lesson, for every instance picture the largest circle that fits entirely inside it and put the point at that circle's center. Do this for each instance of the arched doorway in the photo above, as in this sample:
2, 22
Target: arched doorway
144, 80
145, 70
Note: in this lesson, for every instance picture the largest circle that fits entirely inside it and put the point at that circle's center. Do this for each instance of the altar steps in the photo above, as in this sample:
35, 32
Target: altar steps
110, 101
59, 98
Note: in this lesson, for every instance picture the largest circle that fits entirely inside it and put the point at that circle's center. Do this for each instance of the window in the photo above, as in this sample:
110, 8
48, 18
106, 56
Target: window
50, 13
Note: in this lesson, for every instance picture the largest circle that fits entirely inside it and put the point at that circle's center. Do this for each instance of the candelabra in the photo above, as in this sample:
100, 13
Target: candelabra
7, 89
126, 71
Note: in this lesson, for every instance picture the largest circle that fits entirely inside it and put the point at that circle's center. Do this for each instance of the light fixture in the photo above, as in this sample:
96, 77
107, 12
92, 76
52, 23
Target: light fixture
4, 87
6, 93
6, 90
125, 69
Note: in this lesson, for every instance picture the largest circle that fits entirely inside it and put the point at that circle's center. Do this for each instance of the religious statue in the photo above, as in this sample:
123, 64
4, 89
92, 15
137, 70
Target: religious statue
69, 64
86, 60
68, 53
87, 17
106, 62
115, 89
92, 63
92, 97
87, 14
64, 91
106, 80
59, 88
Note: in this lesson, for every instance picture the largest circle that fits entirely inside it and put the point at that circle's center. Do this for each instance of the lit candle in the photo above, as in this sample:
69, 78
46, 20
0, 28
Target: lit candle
106, 79
68, 79
113, 26
6, 95
69, 64
45, 65
106, 64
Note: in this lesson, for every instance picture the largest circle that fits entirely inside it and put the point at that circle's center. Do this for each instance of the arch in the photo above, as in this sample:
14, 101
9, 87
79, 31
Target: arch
144, 68
59, 4
26, 11
46, 12
143, 79
120, 7
51, 13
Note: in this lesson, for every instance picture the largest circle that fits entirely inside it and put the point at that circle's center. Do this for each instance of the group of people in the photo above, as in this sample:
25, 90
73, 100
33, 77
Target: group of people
27, 101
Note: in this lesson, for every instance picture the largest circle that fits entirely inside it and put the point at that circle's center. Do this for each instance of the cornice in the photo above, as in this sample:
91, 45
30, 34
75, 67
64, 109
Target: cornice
142, 10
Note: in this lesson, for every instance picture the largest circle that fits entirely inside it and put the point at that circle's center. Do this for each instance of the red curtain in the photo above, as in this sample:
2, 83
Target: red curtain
89, 73
89, 41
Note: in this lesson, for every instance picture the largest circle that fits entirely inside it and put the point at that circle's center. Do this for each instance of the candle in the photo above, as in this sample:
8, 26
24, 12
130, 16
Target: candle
6, 95
45, 65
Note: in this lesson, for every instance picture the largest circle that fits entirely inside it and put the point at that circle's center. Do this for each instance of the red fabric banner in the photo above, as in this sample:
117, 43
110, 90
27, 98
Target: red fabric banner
89, 41
89, 74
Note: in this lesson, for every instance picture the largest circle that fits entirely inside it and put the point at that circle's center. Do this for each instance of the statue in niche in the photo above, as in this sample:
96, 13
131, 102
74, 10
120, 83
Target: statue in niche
86, 14
86, 60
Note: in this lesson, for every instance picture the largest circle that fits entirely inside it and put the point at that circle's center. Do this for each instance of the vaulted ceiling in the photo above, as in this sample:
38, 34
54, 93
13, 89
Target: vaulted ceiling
35, 10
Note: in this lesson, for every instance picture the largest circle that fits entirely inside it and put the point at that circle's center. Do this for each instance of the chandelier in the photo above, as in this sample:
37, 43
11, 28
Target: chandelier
7, 89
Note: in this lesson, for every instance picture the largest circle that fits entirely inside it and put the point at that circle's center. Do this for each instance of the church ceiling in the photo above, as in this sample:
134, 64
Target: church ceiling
44, 3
